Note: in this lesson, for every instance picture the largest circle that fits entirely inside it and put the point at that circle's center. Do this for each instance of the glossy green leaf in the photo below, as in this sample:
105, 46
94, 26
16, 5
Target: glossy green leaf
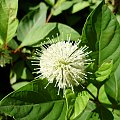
8, 21
34, 102
76, 105
92, 89
103, 96
37, 35
50, 30
80, 103
104, 71
88, 111
102, 34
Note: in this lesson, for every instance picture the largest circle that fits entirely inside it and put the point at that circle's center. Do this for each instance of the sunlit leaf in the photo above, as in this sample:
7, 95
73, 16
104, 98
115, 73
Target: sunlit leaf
101, 33
99, 113
76, 105
88, 111
104, 71
49, 30
92, 89
80, 103
102, 96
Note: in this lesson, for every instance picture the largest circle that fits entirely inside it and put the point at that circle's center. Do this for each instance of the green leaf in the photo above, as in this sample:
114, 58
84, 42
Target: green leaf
5, 57
79, 6
92, 89
34, 102
102, 34
33, 30
50, 2
8, 21
70, 100
118, 16
75, 105
37, 35
49, 30
20, 65
104, 113
13, 44
116, 113
80, 103
94, 116
93, 113
61, 6
85, 115
23, 72
18, 85
102, 96
104, 71
31, 23
1, 43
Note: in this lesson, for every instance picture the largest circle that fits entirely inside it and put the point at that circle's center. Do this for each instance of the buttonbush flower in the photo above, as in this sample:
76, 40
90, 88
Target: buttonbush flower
63, 63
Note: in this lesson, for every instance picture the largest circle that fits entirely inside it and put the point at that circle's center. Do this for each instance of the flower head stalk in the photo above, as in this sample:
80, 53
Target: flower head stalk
64, 63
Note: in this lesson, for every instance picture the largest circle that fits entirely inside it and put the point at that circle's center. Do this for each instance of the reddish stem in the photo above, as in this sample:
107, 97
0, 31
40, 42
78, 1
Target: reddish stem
49, 16
18, 49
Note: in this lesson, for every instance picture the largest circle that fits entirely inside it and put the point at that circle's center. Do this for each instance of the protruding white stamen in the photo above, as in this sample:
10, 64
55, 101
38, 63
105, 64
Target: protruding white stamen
90, 73
47, 85
62, 62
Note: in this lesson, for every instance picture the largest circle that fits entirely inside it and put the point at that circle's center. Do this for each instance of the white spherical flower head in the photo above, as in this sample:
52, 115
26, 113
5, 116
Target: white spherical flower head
64, 63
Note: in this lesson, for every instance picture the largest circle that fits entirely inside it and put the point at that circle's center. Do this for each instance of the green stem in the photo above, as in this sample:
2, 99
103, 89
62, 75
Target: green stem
97, 93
